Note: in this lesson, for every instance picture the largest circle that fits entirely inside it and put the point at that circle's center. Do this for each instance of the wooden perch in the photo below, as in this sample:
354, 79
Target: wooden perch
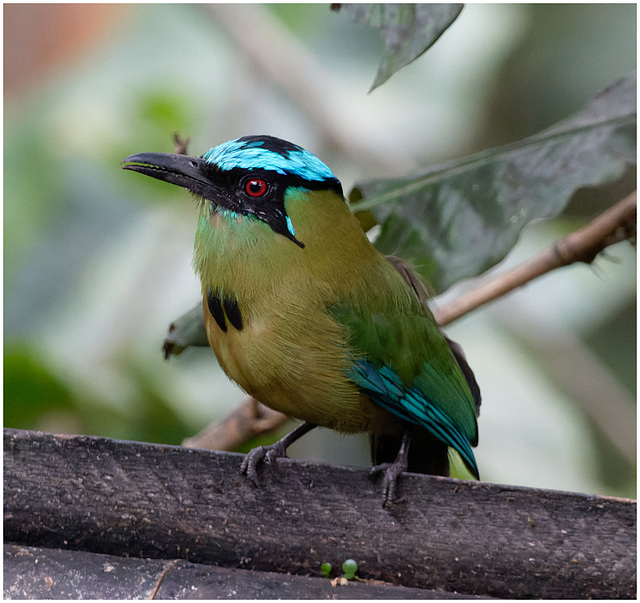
41, 573
192, 507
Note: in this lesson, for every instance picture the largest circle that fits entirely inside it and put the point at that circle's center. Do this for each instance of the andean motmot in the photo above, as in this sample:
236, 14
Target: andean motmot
305, 315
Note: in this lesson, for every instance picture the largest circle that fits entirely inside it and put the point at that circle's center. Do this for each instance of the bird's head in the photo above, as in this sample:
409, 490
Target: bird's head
250, 176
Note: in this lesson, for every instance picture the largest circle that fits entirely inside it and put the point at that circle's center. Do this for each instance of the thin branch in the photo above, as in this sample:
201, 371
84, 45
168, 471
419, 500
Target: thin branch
612, 226
248, 420
181, 144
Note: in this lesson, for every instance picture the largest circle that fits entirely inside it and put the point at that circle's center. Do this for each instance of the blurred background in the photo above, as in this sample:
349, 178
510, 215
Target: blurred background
97, 261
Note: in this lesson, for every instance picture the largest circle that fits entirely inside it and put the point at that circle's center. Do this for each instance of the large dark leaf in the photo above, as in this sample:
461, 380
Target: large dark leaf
407, 30
456, 220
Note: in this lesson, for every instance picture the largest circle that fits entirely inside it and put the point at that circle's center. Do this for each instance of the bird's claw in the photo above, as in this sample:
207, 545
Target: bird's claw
266, 454
390, 474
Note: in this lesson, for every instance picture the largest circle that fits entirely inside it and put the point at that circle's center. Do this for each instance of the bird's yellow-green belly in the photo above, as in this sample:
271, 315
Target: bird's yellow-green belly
302, 375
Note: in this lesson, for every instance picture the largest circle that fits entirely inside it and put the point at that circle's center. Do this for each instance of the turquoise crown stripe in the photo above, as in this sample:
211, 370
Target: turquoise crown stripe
258, 152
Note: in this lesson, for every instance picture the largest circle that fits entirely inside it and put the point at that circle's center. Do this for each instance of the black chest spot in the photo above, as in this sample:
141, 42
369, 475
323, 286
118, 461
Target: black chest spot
224, 310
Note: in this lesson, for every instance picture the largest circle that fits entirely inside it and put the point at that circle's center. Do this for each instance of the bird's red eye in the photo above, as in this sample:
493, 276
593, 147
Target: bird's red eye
255, 187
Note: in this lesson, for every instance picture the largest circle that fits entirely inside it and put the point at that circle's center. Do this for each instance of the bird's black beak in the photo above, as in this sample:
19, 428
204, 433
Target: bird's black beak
192, 173
208, 182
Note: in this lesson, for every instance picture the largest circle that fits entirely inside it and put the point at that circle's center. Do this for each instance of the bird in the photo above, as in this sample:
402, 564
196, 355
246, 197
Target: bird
306, 316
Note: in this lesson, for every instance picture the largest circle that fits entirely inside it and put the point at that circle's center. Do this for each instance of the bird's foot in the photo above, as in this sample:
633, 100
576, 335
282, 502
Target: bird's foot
391, 471
390, 474
254, 457
268, 454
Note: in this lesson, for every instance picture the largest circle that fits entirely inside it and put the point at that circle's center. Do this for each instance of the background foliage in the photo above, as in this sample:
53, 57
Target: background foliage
97, 262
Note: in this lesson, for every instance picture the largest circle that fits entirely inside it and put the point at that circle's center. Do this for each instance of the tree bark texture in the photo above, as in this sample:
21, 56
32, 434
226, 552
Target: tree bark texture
41, 573
128, 499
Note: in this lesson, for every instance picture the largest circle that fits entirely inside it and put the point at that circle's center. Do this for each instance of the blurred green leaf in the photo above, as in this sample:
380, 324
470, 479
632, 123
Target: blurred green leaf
165, 111
27, 205
153, 419
456, 220
31, 387
38, 397
408, 30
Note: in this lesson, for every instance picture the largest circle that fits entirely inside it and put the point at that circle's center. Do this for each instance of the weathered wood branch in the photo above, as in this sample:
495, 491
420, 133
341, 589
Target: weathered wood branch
41, 573
142, 500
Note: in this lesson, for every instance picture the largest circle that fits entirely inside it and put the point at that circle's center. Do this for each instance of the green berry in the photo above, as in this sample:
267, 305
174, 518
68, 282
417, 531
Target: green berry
349, 567
325, 568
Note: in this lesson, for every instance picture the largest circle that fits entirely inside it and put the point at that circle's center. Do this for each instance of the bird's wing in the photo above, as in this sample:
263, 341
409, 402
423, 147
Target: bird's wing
403, 362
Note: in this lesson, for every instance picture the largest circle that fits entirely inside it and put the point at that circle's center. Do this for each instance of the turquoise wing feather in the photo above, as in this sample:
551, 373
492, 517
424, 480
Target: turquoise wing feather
404, 364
